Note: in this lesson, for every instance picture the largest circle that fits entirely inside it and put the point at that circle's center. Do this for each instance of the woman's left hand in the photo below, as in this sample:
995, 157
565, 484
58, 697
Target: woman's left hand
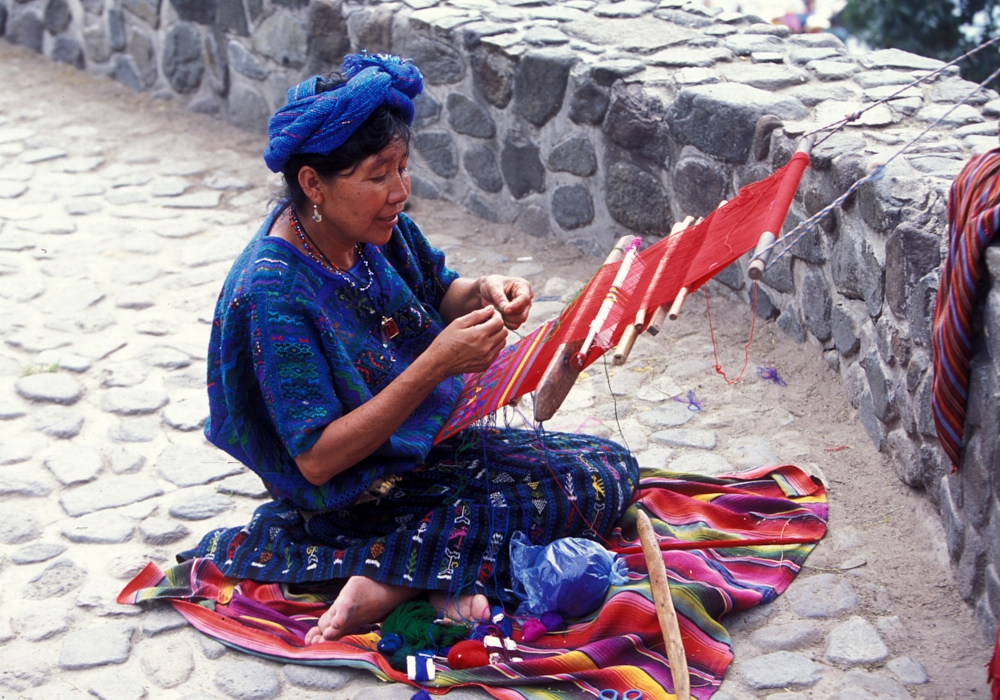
510, 295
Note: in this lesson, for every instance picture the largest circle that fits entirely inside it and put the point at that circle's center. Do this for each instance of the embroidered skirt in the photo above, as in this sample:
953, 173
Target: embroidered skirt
447, 524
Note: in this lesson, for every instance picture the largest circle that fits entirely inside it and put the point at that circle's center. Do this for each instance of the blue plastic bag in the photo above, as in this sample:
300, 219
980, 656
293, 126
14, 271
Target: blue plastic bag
569, 576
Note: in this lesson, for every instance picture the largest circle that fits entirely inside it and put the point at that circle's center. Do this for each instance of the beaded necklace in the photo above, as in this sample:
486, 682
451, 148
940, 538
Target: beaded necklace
390, 329
318, 257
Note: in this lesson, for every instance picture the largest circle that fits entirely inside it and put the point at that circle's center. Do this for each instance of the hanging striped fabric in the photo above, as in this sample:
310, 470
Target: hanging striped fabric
973, 220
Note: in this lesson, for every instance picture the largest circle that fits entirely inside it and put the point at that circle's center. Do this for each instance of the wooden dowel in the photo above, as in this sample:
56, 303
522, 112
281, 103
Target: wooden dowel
625, 344
656, 323
675, 308
560, 376
665, 613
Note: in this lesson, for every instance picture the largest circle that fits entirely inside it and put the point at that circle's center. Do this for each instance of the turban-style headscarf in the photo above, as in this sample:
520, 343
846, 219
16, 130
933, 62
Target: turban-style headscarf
318, 122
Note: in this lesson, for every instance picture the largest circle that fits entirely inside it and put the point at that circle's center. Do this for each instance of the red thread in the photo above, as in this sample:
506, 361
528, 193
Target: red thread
746, 348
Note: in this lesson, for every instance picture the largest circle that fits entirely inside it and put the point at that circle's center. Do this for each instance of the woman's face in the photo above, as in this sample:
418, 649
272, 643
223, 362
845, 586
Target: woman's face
363, 207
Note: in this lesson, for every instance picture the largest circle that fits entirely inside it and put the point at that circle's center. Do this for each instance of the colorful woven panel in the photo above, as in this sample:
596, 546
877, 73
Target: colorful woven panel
617, 647
973, 221
689, 259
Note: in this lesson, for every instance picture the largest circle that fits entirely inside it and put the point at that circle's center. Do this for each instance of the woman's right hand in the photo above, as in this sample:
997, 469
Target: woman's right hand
470, 343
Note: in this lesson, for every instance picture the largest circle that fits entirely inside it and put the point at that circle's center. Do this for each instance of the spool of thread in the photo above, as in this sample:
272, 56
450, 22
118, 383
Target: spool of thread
420, 668
499, 618
468, 654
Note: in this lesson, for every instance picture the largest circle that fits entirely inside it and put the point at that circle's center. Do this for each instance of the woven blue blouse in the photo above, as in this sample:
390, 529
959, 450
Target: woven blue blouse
294, 347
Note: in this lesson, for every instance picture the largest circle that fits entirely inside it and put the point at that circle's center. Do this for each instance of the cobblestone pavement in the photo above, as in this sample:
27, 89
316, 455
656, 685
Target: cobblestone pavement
119, 215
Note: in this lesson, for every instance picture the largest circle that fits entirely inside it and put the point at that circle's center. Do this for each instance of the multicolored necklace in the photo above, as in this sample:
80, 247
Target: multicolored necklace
317, 256
390, 329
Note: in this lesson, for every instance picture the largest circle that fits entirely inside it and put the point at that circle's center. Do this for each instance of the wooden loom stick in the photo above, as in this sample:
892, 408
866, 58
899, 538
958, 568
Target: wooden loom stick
609, 302
660, 313
559, 376
762, 253
665, 613
675, 308
632, 331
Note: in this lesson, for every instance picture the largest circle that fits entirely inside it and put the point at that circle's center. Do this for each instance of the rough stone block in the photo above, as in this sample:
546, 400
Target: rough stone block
328, 41
572, 206
68, 50
574, 155
247, 680
589, 103
521, 165
822, 596
910, 254
183, 62
26, 30
493, 75
248, 109
439, 63
283, 38
976, 474
720, 119
231, 17
467, 117
951, 518
971, 564
855, 642
880, 387
57, 579
87, 648
244, 62
845, 330
481, 165
146, 10
905, 458
790, 322
700, 183
57, 16
857, 272
779, 670
540, 84
438, 150
637, 199
816, 304
873, 426
786, 637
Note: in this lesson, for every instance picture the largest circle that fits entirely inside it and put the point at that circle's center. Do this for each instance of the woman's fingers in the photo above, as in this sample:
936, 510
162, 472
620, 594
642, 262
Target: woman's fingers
512, 295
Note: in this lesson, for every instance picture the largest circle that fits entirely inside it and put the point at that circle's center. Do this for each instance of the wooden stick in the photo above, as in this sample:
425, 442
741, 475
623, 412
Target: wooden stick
675, 308
665, 613
559, 376
659, 314
625, 344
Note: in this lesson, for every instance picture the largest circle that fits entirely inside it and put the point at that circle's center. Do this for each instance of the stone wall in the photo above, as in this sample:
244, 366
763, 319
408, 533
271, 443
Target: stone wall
583, 121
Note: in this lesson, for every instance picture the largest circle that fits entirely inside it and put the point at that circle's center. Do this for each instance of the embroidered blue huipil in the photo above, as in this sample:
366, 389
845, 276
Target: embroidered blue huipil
294, 347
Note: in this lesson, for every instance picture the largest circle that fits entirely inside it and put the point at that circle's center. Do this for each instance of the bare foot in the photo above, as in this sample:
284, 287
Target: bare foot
361, 602
462, 607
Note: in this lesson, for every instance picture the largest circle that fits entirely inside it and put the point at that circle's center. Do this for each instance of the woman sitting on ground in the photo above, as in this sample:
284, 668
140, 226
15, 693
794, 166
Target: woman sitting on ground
336, 356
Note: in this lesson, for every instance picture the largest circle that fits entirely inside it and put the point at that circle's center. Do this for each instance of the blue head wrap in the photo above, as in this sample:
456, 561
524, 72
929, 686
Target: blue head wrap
314, 122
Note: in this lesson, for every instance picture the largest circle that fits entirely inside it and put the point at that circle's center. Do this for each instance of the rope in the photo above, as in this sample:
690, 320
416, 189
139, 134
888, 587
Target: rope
841, 123
809, 225
746, 348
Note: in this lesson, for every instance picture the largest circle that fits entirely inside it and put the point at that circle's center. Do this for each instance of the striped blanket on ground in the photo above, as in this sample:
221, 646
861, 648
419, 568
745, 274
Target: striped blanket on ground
616, 647
973, 221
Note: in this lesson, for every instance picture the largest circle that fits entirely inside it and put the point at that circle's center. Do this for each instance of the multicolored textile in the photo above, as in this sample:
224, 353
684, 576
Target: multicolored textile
444, 525
312, 122
618, 647
973, 220
294, 347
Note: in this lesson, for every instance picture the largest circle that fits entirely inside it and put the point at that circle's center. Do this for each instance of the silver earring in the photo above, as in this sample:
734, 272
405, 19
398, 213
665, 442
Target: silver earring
317, 217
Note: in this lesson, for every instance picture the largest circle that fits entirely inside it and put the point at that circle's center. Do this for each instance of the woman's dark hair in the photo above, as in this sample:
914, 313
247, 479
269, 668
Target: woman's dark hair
375, 133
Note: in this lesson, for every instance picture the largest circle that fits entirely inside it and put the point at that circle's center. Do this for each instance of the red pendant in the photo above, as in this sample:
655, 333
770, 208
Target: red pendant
389, 328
